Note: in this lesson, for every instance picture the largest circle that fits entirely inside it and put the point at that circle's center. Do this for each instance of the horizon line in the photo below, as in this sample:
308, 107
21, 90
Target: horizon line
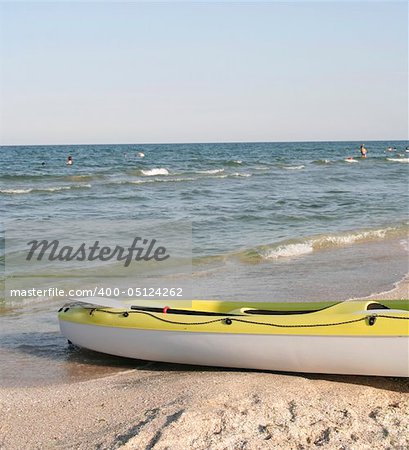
202, 142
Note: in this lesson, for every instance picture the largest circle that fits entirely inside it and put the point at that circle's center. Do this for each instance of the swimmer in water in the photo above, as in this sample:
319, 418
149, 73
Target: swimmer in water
364, 151
350, 159
69, 162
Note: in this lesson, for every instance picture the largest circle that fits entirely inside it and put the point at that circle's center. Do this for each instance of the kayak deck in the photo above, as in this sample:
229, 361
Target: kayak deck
366, 318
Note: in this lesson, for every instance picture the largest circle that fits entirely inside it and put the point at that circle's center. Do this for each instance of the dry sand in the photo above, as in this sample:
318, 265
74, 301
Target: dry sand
163, 406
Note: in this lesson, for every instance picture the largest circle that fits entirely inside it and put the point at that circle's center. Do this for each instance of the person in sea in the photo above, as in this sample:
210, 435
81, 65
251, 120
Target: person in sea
69, 161
364, 151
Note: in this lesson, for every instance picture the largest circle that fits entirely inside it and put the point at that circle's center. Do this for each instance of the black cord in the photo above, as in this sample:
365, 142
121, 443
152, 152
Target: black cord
230, 320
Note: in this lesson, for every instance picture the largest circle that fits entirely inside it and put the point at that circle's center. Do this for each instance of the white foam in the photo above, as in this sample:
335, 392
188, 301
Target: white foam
401, 160
171, 180
323, 242
23, 302
15, 191
43, 189
153, 172
154, 180
321, 161
289, 250
348, 239
179, 179
293, 167
55, 189
350, 160
64, 188
136, 182
238, 161
238, 174
211, 172
405, 244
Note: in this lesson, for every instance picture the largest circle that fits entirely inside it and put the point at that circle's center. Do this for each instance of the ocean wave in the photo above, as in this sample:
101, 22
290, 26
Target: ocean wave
288, 249
134, 182
43, 189
210, 172
82, 177
23, 302
321, 161
226, 162
350, 238
154, 172
300, 167
401, 160
16, 191
172, 180
153, 180
52, 178
238, 174
219, 174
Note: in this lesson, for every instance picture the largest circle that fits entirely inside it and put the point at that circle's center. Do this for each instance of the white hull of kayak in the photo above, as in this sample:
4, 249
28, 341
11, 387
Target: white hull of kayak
350, 355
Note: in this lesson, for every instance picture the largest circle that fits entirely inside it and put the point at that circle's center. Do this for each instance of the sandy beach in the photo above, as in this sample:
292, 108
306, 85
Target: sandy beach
166, 406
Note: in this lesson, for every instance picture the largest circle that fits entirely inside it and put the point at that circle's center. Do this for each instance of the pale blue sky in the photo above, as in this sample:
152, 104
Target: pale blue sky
202, 72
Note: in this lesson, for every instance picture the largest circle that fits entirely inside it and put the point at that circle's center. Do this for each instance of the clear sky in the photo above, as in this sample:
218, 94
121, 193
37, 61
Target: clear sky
202, 72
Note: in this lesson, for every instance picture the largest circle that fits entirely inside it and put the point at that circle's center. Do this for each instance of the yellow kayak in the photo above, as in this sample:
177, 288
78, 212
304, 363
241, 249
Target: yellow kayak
353, 337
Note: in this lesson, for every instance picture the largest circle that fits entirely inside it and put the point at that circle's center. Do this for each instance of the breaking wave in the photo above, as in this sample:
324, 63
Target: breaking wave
300, 167
321, 161
401, 160
294, 248
238, 174
210, 172
43, 189
154, 172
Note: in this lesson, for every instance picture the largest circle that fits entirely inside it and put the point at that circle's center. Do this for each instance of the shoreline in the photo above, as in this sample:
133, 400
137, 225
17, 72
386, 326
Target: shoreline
399, 291
161, 406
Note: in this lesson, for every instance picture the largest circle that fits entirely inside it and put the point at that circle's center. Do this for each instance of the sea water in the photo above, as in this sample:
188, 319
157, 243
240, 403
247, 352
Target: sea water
270, 221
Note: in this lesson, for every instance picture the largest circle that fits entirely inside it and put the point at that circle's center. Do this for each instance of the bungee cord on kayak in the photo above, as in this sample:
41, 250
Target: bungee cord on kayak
231, 319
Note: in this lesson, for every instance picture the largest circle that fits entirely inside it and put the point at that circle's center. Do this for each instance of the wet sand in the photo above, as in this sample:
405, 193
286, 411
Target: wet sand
165, 406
